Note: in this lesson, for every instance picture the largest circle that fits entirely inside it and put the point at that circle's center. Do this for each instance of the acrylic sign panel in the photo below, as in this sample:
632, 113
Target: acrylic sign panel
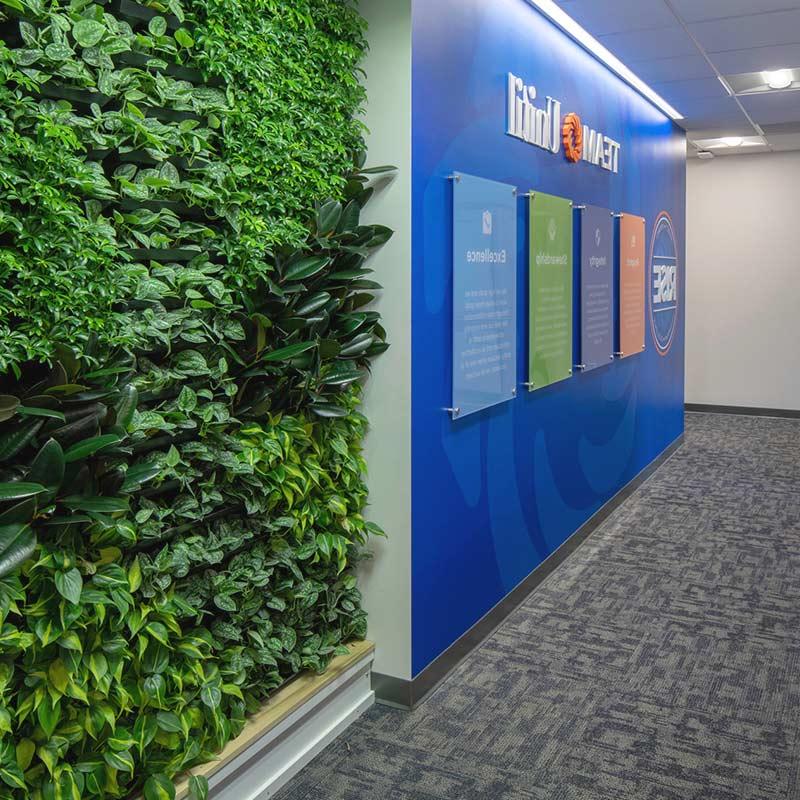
550, 286
484, 293
631, 284
597, 264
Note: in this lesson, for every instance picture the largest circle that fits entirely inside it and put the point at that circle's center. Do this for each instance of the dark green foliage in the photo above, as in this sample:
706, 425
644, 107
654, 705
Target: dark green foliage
292, 130
186, 328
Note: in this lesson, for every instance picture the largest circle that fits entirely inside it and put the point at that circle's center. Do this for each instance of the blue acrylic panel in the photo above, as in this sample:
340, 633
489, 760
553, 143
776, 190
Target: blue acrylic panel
596, 287
484, 354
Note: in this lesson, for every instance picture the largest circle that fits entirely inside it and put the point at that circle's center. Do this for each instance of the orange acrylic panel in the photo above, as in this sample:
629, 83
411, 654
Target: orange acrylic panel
631, 285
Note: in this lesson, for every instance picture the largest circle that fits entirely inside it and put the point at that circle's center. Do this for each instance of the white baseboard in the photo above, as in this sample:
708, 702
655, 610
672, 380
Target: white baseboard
263, 768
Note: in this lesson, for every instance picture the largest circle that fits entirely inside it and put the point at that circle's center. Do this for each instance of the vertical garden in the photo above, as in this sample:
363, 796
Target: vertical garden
183, 334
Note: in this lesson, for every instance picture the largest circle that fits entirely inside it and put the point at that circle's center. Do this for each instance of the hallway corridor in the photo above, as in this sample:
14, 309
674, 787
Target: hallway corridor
661, 661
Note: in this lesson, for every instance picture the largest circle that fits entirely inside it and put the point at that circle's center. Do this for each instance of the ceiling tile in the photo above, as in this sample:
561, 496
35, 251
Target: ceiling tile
672, 69
639, 45
697, 10
773, 107
709, 106
733, 62
675, 91
600, 19
755, 30
742, 128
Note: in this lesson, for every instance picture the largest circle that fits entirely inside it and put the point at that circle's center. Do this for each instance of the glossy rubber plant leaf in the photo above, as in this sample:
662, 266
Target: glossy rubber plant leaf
17, 543
17, 490
89, 447
48, 466
289, 352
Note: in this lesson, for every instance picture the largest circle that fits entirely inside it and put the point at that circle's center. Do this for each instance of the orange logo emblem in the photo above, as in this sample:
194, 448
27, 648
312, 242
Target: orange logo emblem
572, 136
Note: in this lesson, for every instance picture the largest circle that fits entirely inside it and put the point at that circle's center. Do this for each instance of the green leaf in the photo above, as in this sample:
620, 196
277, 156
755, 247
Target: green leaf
100, 505
70, 641
30, 411
48, 466
339, 376
10, 773
90, 446
98, 665
139, 474
184, 38
157, 26
14, 441
58, 52
289, 352
15, 4
211, 695
16, 490
159, 787
121, 760
187, 399
58, 675
126, 407
69, 585
26, 750
169, 721
154, 687
88, 32
49, 714
329, 410
198, 787
158, 631
225, 602
17, 543
328, 217
9, 405
306, 268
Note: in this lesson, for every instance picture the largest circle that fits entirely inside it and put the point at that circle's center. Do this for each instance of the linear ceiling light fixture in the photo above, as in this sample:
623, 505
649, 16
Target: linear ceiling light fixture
583, 37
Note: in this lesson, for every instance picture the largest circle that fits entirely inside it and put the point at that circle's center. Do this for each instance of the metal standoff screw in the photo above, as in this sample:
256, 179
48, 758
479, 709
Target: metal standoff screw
529, 384
617, 216
642, 347
454, 177
580, 366
618, 353
580, 207
570, 372
455, 411
514, 392
514, 191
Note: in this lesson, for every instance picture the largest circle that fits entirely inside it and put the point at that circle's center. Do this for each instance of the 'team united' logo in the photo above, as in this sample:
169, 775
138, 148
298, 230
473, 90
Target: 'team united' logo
664, 298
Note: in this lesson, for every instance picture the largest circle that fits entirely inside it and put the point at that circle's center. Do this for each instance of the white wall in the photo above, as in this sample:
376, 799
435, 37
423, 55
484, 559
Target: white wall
386, 579
743, 281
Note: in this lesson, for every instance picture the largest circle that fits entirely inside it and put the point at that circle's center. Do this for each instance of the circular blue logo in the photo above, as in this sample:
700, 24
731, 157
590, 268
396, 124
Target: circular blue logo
663, 284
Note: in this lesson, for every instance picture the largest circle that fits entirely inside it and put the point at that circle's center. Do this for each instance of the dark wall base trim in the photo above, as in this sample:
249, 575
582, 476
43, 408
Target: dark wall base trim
409, 693
749, 411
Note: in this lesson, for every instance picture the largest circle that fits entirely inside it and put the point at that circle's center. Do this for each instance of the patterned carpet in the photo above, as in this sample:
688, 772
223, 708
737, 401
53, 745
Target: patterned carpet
661, 660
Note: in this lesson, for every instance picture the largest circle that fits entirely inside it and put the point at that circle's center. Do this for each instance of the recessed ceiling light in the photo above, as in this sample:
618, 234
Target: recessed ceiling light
731, 141
779, 79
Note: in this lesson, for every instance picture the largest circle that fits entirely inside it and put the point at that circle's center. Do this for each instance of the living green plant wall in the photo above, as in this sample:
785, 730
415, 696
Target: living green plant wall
186, 328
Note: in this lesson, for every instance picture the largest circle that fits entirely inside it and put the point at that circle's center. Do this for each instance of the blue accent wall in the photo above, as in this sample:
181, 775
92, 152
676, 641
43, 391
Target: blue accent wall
494, 494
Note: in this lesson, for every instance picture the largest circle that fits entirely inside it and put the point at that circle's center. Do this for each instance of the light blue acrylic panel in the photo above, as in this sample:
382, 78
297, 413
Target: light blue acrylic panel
484, 294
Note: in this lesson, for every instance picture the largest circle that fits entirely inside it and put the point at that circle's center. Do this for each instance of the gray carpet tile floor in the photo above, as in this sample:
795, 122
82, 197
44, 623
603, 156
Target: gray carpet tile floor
660, 661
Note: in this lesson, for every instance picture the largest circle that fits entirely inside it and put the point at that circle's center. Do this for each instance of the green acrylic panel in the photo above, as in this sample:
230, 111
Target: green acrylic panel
550, 282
